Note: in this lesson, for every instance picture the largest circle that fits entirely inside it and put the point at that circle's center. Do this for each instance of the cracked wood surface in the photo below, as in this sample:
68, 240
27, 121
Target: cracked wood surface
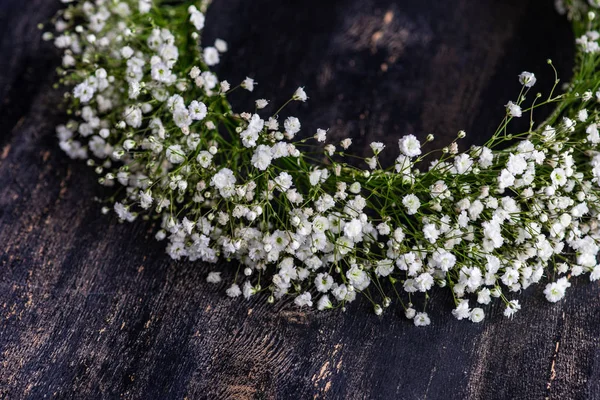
90, 308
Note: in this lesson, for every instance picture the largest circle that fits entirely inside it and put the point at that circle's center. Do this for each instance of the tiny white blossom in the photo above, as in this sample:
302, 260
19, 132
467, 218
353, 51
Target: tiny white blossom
412, 203
513, 110
410, 146
248, 84
213, 277
300, 95
527, 79
421, 319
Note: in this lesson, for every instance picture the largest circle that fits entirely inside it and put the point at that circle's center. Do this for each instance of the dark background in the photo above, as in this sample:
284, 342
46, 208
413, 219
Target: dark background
90, 308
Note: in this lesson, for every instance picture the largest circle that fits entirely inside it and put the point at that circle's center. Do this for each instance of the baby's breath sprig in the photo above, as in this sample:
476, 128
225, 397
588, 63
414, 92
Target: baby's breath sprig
298, 217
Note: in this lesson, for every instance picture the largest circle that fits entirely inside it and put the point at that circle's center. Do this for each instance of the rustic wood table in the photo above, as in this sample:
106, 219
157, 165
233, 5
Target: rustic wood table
90, 308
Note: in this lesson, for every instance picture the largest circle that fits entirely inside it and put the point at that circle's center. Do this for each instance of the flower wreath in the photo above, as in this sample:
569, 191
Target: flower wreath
150, 117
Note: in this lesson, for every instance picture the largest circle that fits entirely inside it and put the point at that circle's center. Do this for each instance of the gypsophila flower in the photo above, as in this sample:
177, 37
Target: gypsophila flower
304, 218
511, 308
213, 277
175, 154
477, 315
221, 45
555, 291
196, 18
321, 135
421, 319
346, 143
292, 126
211, 56
412, 203
261, 103
513, 110
377, 147
300, 95
197, 110
527, 79
410, 146
303, 300
248, 84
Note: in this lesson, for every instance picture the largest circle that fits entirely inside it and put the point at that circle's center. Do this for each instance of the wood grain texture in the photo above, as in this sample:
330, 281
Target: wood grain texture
90, 308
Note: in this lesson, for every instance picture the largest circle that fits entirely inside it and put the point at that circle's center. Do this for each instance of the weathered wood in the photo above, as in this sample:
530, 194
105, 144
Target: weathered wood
90, 308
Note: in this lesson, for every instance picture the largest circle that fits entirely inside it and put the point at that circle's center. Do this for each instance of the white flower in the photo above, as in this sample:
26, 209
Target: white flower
559, 177
303, 300
213, 277
527, 79
224, 181
513, 110
486, 157
197, 110
412, 203
211, 56
145, 199
443, 260
262, 157
321, 135
516, 164
144, 6
330, 149
292, 125
511, 308
161, 72
126, 52
477, 315
462, 163
462, 310
384, 229
353, 229
595, 274
204, 158
84, 92
284, 181
324, 303
123, 212
300, 95
423, 282
234, 291
483, 296
134, 90
431, 232
410, 146
261, 103
196, 18
506, 179
224, 86
555, 291
129, 144
593, 135
377, 147
248, 84
357, 277
175, 154
421, 319
346, 143
323, 282
569, 124
493, 233
221, 45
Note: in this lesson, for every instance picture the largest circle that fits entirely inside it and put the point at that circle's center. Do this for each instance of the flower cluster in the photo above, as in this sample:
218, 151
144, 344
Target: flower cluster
486, 223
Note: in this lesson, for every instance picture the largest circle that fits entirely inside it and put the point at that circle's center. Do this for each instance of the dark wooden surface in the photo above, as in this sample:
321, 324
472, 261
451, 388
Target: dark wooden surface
90, 308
